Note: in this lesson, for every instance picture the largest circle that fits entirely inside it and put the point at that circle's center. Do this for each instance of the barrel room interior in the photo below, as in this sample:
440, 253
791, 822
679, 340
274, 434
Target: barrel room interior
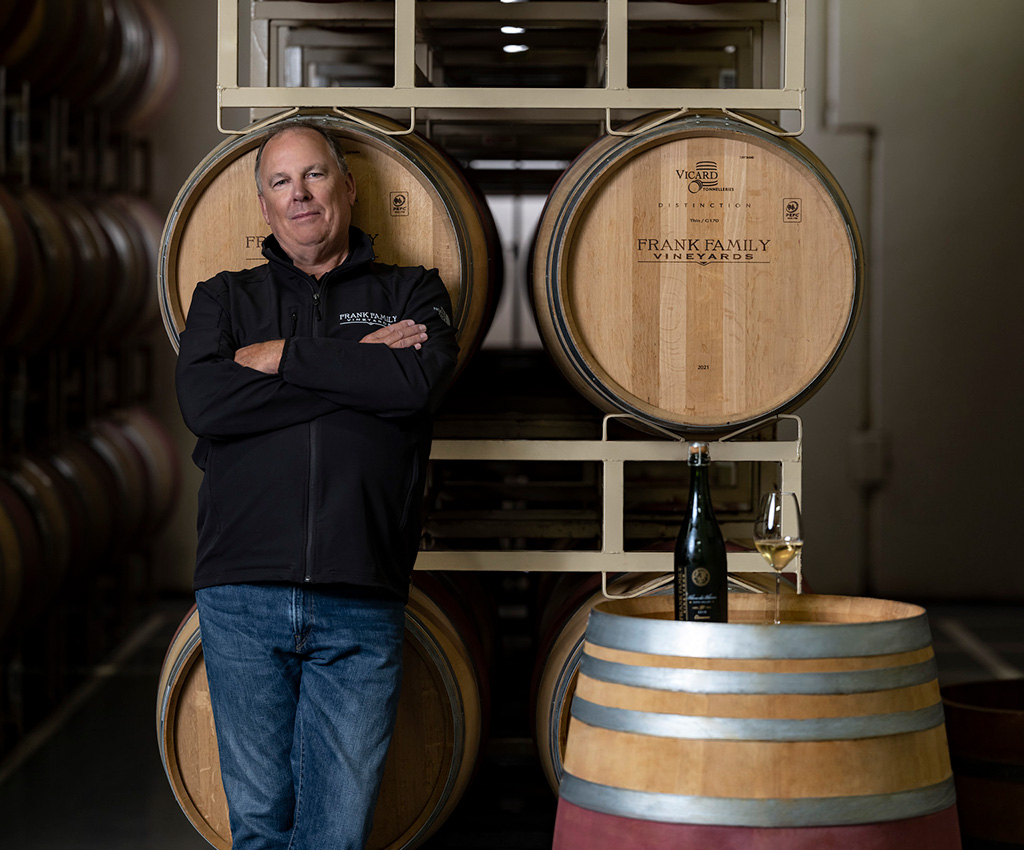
787, 229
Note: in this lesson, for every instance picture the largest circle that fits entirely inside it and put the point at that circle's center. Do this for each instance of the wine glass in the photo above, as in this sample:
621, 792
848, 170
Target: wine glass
777, 533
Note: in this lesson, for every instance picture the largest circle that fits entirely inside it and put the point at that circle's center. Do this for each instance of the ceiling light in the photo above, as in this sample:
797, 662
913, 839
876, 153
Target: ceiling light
513, 30
515, 48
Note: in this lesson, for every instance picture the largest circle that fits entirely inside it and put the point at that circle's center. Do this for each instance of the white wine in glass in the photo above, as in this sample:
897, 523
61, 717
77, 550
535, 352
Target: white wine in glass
777, 533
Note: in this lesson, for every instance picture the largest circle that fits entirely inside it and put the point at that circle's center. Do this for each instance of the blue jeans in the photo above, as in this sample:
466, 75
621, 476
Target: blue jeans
304, 685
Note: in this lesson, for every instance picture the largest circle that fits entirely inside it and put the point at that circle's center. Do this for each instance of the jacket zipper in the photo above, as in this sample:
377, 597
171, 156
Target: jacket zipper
314, 442
314, 431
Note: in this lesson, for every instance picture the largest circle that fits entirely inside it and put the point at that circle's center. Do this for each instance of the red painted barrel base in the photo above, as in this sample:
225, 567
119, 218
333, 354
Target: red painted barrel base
580, 829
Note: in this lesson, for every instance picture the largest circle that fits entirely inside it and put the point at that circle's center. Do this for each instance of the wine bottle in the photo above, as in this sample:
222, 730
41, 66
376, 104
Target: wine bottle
701, 576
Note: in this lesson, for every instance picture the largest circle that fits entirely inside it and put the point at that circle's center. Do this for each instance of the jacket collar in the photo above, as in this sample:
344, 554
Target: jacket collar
360, 252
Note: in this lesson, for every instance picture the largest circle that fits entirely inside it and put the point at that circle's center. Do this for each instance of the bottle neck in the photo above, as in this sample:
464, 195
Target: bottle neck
700, 489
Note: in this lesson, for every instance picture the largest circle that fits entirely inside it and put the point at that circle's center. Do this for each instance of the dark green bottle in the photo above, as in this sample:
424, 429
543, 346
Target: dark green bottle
702, 579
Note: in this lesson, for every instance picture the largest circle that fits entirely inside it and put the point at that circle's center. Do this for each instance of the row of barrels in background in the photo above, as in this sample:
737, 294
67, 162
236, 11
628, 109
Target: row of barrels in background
78, 515
120, 57
83, 82
71, 510
76, 270
88, 475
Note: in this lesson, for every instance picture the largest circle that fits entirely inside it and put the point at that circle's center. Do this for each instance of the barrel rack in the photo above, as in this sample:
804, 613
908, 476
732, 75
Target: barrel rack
612, 455
777, 57
271, 39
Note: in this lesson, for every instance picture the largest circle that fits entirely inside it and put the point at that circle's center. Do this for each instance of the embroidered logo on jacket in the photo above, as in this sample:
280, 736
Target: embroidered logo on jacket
366, 318
443, 315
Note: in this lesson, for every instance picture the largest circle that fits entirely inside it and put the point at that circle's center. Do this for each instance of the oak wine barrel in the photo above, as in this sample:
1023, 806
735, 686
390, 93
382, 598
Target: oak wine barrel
36, 50
57, 279
433, 752
146, 224
19, 551
95, 272
161, 459
824, 731
73, 524
52, 519
12, 230
97, 492
128, 268
125, 76
701, 275
985, 725
414, 202
560, 649
163, 68
89, 60
128, 468
21, 275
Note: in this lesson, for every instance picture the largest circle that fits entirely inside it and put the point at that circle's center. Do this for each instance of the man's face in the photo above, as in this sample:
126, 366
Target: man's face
307, 200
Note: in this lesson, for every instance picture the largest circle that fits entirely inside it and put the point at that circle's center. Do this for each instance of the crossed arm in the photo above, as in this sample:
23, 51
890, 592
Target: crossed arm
266, 356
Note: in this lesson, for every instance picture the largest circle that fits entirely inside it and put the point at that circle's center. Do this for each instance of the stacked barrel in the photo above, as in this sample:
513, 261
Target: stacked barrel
87, 474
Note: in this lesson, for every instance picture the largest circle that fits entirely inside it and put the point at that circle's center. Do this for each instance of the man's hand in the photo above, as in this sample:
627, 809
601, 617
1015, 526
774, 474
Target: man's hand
262, 356
401, 334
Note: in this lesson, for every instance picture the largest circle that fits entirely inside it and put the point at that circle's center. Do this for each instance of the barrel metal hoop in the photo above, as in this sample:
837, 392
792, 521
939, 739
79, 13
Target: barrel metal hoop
189, 654
731, 811
734, 682
742, 640
185, 658
756, 728
561, 693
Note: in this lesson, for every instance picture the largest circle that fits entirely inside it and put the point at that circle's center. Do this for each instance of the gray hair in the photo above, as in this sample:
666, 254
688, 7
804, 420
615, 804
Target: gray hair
333, 143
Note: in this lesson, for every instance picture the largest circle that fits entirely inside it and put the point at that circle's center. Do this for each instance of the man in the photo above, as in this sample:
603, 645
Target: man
310, 383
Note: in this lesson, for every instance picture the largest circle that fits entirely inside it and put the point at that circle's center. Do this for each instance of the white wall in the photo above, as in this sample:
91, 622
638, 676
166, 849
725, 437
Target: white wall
937, 369
516, 218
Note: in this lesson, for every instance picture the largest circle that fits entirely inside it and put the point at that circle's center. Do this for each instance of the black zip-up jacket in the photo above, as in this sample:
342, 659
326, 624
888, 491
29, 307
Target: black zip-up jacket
315, 474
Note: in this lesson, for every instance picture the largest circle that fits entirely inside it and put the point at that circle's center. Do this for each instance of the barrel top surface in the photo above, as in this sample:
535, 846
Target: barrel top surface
703, 274
813, 626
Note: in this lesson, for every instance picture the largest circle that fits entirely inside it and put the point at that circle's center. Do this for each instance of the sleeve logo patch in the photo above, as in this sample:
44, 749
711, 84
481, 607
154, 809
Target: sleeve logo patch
443, 316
